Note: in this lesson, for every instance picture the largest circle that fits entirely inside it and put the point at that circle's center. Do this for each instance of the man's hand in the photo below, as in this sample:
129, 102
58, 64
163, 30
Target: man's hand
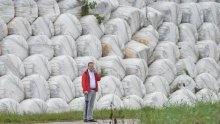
85, 92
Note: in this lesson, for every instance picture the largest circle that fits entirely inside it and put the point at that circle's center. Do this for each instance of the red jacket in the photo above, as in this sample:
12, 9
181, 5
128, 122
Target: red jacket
86, 81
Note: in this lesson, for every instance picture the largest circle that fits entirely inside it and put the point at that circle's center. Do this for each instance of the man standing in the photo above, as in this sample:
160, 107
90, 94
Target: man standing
90, 87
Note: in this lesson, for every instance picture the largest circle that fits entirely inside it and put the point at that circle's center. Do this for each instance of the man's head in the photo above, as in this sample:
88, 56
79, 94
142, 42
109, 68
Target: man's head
91, 66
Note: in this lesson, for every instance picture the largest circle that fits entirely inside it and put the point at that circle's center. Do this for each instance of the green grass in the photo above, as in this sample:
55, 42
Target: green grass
200, 114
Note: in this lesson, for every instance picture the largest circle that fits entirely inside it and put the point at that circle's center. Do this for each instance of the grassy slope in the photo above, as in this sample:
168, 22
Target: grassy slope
200, 114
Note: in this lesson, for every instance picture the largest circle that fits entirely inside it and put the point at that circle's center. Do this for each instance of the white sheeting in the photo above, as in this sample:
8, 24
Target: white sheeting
188, 49
111, 46
3, 29
207, 95
120, 28
20, 26
34, 106
35, 86
89, 45
77, 87
77, 104
48, 8
82, 64
27, 9
155, 100
133, 102
136, 66
10, 106
91, 26
113, 65
37, 64
206, 80
134, 49
188, 33
43, 26
68, 24
11, 64
7, 11
192, 13
170, 11
16, 45
133, 86
64, 65
168, 31
40, 44
188, 64
135, 3
157, 84
57, 105
134, 17
110, 101
61, 87
164, 68
64, 45
111, 85
208, 65
11, 87
155, 17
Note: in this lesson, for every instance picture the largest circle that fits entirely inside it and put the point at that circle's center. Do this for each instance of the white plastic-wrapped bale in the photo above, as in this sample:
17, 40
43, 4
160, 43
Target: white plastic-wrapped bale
136, 66
147, 36
3, 29
149, 2
134, 49
155, 100
206, 80
68, 24
48, 8
133, 86
57, 105
155, 17
71, 6
27, 9
135, 3
16, 45
20, 26
114, 4
176, 1
77, 84
89, 45
164, 68
43, 26
11, 87
111, 46
111, 85
11, 64
188, 1
170, 11
211, 12
208, 48
113, 65
206, 0
182, 97
110, 101
165, 50
183, 81
61, 87
7, 11
64, 65
40, 44
82, 64
35, 86
192, 13
78, 104
10, 106
134, 17
157, 84
91, 26
64, 45
120, 28
209, 31
34, 106
188, 49
168, 31
37, 64
133, 102
208, 65
188, 33
186, 66
103, 8
207, 95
